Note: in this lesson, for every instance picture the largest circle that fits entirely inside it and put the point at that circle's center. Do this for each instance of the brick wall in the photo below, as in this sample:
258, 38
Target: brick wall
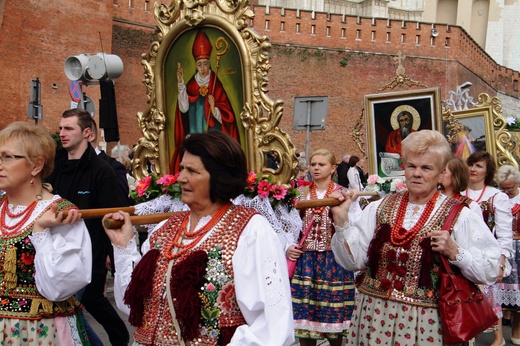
338, 56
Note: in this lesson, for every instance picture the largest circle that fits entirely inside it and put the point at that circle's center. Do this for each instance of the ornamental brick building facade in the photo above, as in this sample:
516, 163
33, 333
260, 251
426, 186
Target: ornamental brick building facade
313, 54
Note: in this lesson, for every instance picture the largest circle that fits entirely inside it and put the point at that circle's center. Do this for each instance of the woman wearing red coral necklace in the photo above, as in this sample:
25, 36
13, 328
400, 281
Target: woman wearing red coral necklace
394, 243
496, 213
322, 291
215, 275
43, 260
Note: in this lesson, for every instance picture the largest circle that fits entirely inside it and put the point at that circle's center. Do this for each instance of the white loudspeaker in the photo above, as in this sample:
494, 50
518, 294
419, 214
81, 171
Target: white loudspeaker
435, 33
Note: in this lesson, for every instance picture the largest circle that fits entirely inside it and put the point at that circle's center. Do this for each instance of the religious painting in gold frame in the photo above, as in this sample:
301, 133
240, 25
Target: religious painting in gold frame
239, 59
483, 128
385, 112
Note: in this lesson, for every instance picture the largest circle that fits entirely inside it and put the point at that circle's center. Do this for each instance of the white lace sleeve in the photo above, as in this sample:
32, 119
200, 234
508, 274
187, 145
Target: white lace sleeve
287, 223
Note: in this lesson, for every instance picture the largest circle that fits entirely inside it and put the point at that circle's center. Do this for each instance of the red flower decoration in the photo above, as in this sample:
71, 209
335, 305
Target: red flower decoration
303, 182
264, 187
398, 285
391, 267
391, 254
279, 192
385, 284
226, 298
251, 178
143, 185
400, 270
168, 179
403, 256
27, 258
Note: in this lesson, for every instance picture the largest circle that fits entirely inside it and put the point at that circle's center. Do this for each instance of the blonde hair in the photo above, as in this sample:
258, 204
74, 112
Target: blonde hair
35, 141
324, 152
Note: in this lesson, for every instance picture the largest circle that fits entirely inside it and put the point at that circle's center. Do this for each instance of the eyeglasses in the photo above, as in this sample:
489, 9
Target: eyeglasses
508, 188
6, 158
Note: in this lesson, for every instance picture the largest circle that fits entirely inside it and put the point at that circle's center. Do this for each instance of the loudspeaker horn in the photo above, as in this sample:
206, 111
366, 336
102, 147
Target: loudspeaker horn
435, 33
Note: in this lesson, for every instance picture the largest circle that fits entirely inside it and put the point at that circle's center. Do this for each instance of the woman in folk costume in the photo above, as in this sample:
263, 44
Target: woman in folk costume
202, 103
215, 275
454, 180
508, 291
394, 243
44, 260
496, 213
322, 291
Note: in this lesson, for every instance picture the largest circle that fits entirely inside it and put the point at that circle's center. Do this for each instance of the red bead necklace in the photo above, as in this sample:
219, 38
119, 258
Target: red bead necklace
481, 194
399, 235
314, 195
183, 233
25, 215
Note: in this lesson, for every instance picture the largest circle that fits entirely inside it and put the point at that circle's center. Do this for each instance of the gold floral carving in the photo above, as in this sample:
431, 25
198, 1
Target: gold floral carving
260, 115
503, 139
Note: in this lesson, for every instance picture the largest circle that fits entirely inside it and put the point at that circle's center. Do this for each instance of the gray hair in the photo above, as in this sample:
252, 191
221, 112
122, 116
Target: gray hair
507, 172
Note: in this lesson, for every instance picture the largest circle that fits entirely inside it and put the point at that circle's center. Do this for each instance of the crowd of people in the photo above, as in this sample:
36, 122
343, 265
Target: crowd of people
217, 275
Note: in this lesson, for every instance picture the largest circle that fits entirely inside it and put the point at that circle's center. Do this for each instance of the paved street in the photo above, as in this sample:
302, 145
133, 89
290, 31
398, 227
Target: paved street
482, 340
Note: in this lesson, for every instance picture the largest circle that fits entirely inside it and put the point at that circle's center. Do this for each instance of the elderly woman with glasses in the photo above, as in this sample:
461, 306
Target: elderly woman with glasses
44, 260
508, 291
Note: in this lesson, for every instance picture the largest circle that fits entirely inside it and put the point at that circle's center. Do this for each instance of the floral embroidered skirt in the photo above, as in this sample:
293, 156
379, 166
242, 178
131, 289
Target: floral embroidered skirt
507, 292
322, 296
68, 330
376, 321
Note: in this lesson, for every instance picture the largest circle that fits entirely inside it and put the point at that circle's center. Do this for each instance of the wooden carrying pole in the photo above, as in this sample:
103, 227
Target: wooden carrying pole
156, 218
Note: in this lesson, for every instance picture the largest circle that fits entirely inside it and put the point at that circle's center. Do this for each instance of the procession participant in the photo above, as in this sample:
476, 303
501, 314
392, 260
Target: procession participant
394, 243
508, 291
44, 260
322, 291
213, 275
496, 213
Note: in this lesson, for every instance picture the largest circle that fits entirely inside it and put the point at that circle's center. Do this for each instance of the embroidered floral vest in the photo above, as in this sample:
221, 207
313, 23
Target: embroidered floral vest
406, 273
19, 296
516, 221
219, 308
322, 230
488, 212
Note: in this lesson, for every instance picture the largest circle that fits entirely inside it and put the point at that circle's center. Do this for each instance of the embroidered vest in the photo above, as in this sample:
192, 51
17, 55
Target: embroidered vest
406, 273
322, 230
488, 212
219, 308
516, 221
19, 296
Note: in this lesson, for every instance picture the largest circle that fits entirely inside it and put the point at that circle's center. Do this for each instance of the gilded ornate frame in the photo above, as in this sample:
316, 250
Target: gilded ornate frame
425, 106
499, 142
260, 115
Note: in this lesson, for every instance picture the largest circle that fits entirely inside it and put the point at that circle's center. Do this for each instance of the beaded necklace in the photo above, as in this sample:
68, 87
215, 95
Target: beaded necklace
314, 195
481, 194
24, 214
399, 235
183, 233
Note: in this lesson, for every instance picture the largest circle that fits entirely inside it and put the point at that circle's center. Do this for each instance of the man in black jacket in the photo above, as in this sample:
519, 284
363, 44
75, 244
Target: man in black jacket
88, 181
342, 170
